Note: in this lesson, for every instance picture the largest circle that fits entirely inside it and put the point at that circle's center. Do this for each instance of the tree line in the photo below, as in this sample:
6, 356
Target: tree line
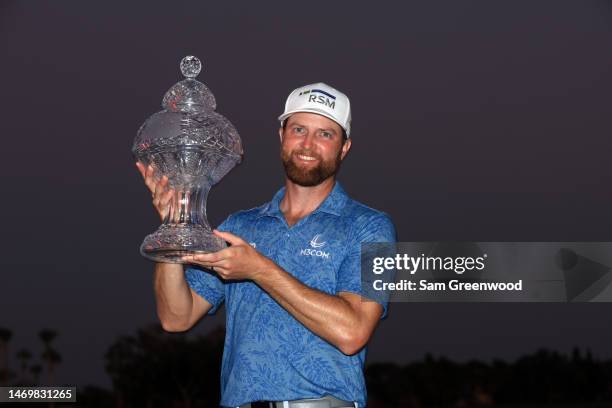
153, 368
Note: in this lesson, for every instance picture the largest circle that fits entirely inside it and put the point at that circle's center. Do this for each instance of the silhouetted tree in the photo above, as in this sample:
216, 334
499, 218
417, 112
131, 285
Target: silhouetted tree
545, 377
53, 358
5, 337
47, 336
24, 356
35, 370
155, 368
49, 355
390, 385
94, 397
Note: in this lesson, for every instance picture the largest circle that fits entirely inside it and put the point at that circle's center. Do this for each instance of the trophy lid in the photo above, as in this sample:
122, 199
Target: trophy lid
189, 95
188, 140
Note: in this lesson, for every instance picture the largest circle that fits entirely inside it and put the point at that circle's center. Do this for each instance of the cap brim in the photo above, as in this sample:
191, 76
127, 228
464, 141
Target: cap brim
318, 112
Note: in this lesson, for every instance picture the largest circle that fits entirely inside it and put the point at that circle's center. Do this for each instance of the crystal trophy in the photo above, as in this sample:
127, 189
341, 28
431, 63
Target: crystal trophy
194, 147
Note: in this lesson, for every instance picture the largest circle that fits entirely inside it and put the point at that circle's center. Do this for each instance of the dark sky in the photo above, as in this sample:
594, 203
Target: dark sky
472, 120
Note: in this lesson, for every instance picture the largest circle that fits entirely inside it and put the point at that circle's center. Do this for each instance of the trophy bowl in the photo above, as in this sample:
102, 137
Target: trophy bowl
194, 147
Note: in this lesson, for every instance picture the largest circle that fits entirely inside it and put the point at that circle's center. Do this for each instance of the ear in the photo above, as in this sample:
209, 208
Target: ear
345, 148
280, 134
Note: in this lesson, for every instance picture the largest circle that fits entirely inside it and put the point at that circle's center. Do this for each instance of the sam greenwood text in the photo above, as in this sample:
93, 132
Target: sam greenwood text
454, 285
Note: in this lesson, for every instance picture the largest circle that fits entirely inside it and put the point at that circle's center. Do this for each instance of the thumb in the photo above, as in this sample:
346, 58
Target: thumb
229, 237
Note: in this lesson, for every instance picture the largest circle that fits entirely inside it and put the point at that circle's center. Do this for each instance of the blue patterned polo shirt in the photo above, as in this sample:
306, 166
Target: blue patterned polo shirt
268, 354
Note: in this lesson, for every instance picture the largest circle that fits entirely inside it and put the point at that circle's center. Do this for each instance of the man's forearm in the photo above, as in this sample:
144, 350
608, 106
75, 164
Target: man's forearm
174, 300
330, 317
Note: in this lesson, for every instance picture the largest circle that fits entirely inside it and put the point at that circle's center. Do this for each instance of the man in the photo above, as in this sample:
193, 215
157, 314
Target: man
297, 321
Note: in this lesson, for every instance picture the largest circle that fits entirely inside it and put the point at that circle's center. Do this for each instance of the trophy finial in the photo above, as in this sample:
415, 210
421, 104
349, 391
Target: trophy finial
191, 66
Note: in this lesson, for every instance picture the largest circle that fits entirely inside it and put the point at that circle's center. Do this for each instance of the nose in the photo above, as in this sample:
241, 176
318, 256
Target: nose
307, 140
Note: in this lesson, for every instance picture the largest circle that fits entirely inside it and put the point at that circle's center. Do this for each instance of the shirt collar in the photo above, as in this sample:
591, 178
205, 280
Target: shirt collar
332, 204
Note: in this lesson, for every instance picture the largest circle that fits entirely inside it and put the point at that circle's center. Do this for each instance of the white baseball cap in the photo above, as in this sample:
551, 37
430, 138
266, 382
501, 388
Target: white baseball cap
322, 99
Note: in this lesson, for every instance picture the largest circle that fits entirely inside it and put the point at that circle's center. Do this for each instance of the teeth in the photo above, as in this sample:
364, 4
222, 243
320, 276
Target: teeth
309, 158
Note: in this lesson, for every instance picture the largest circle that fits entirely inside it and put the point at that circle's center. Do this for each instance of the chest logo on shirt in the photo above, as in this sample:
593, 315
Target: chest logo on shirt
315, 244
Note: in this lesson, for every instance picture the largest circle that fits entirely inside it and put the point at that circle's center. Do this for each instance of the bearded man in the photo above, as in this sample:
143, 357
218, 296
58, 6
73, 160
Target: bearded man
297, 318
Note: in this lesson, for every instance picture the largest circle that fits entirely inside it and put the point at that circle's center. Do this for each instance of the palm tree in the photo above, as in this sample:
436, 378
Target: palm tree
53, 358
5, 336
36, 369
47, 336
24, 355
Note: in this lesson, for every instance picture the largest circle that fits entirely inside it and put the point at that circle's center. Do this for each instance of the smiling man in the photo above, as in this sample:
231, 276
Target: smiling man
297, 318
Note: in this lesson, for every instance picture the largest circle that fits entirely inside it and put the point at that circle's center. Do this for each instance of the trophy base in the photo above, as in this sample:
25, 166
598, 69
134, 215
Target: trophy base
173, 241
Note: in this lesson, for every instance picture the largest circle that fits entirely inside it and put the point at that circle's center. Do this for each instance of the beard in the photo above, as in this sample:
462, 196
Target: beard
309, 177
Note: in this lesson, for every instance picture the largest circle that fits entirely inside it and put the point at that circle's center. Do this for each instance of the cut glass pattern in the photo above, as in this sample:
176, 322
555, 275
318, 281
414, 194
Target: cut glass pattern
195, 147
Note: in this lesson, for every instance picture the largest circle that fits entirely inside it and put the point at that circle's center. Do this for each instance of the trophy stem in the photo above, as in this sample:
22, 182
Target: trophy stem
185, 229
188, 207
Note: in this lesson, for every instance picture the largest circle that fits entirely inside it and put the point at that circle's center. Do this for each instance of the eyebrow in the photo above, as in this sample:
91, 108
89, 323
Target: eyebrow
331, 130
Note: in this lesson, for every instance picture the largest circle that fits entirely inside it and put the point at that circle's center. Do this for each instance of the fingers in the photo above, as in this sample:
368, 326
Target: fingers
141, 169
147, 174
229, 237
221, 271
211, 258
214, 261
159, 189
161, 195
166, 197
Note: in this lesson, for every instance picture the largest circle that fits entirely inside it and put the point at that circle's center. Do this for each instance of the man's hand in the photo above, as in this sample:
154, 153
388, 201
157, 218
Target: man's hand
160, 192
237, 262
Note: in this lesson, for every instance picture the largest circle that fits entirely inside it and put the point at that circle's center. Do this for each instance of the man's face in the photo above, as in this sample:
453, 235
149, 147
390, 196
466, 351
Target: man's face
312, 148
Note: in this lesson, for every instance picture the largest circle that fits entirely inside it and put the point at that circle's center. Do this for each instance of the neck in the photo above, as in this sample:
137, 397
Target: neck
299, 201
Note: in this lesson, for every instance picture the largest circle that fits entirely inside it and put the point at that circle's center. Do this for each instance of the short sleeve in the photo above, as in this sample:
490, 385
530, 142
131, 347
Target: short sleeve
379, 228
206, 283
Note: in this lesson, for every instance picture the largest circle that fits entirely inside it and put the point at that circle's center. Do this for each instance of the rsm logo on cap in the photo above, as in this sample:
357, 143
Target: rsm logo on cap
322, 97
